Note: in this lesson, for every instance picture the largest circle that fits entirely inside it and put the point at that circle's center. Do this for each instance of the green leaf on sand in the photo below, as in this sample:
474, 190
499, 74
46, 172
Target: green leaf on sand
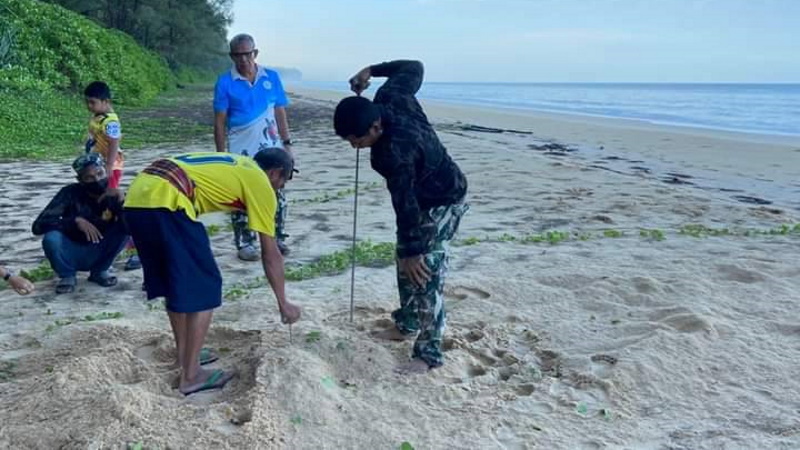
313, 336
328, 382
406, 446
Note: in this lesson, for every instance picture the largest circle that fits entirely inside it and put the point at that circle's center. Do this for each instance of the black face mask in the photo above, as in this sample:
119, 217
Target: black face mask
96, 187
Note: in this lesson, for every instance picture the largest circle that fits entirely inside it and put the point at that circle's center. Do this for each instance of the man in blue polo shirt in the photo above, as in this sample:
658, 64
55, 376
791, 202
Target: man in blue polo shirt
250, 114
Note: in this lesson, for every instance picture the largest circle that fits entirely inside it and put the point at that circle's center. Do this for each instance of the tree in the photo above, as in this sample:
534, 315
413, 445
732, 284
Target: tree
188, 33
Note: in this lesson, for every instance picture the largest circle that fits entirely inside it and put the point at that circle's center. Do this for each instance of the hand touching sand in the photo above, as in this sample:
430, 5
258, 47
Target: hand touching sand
21, 285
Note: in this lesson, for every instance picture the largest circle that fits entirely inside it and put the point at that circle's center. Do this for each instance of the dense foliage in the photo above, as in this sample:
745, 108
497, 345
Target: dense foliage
187, 33
47, 55
48, 48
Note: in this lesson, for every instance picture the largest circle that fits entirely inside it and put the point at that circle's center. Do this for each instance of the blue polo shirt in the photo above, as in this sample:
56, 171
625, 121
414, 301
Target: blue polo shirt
245, 102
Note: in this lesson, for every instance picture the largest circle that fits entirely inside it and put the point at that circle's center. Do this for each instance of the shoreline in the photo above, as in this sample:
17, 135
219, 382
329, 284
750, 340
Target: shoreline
750, 167
444, 106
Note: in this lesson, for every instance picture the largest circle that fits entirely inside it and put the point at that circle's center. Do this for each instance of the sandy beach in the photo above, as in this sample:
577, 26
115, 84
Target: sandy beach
616, 284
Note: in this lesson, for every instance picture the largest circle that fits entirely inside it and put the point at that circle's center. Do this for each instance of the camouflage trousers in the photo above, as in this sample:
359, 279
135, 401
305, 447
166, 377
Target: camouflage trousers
243, 236
422, 308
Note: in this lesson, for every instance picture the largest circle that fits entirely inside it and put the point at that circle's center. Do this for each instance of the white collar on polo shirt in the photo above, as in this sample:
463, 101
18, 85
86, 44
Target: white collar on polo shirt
260, 72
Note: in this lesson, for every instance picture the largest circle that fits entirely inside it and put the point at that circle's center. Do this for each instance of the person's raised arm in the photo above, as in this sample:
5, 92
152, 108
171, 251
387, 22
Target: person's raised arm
404, 76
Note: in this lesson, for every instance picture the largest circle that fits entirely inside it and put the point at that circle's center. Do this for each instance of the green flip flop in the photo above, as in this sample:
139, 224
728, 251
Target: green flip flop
217, 380
207, 356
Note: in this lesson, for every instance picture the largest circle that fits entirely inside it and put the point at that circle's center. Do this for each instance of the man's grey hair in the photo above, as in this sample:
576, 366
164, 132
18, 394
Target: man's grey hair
242, 39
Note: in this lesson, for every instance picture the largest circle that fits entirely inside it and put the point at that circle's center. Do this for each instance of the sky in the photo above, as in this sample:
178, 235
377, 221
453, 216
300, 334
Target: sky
532, 40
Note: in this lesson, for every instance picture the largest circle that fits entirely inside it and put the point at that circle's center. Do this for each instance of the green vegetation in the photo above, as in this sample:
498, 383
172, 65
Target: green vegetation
368, 254
49, 54
326, 197
189, 34
53, 49
235, 293
87, 318
155, 306
40, 124
656, 235
313, 336
693, 230
698, 231
213, 230
39, 273
174, 117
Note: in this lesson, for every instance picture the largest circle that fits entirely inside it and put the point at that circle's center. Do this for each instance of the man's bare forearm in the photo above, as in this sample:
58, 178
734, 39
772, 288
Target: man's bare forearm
219, 132
283, 123
272, 261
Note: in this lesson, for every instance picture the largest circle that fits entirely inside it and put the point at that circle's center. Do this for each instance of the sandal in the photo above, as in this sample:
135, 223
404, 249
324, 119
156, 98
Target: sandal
207, 356
66, 285
104, 280
133, 263
217, 380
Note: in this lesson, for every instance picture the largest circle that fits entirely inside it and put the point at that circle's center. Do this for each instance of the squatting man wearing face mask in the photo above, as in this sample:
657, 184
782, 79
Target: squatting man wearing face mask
82, 226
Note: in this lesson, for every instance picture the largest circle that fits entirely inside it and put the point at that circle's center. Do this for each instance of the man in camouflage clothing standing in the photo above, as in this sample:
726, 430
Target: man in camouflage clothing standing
427, 189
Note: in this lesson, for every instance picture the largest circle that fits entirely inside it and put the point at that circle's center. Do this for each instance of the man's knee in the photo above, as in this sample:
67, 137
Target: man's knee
53, 241
117, 233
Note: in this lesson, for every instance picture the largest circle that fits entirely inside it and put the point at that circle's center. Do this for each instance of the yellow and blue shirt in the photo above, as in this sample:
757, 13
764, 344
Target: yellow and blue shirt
103, 128
222, 182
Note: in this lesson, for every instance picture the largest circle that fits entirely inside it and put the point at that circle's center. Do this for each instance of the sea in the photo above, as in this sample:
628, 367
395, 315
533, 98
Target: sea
772, 109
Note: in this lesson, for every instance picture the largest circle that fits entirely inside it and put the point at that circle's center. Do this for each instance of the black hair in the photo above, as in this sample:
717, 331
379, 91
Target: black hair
275, 158
354, 116
98, 90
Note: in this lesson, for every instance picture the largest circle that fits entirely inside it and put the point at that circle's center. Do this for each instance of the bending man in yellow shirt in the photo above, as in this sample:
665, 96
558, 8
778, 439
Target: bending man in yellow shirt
161, 209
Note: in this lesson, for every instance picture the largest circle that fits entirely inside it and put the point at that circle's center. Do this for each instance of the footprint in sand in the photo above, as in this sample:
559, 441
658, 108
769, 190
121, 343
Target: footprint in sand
461, 293
476, 371
506, 373
681, 319
524, 390
474, 336
738, 274
550, 363
602, 365
359, 312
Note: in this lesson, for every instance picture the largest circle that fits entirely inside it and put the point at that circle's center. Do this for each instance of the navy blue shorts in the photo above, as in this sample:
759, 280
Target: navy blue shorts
176, 259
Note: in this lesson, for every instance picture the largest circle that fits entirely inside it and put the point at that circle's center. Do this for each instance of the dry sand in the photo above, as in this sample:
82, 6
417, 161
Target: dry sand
685, 343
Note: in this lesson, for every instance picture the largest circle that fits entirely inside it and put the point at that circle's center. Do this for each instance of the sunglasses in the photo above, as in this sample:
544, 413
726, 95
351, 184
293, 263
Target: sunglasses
242, 54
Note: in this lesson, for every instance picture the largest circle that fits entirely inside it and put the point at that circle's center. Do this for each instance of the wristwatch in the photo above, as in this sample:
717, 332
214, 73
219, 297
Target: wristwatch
288, 142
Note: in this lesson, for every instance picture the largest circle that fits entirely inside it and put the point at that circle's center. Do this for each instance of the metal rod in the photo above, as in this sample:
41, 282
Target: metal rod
353, 261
